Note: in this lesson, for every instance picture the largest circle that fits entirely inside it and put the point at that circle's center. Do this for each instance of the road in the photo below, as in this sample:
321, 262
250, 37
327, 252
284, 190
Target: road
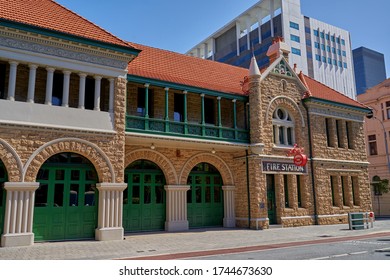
365, 249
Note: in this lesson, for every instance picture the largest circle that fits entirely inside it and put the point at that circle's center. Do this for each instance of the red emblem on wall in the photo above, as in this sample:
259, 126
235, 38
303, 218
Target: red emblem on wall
245, 85
300, 159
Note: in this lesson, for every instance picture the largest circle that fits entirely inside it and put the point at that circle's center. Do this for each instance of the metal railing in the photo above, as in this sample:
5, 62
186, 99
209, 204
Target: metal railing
193, 130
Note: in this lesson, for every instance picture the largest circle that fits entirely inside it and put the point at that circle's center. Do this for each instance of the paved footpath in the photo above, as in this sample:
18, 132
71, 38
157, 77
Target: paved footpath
204, 242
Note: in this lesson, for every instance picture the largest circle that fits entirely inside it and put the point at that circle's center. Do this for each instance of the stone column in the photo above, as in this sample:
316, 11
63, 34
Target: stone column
65, 89
82, 90
110, 211
31, 83
176, 207
49, 85
12, 80
98, 80
19, 213
229, 219
111, 96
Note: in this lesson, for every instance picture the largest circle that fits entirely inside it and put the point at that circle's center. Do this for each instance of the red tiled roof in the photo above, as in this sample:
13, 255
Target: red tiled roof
177, 68
319, 90
50, 15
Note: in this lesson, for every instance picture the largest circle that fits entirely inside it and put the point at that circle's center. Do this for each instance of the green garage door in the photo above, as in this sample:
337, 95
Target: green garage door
66, 200
205, 199
3, 178
144, 198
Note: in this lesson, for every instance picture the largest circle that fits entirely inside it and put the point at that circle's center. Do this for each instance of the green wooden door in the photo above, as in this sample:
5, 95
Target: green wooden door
271, 199
3, 178
205, 199
144, 204
65, 202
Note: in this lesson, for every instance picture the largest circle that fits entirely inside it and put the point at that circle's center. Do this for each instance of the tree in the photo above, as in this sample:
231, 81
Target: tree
381, 186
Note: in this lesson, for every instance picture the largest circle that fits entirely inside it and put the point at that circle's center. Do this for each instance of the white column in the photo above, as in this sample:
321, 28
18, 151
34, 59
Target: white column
111, 96
19, 213
285, 135
31, 83
49, 85
272, 9
277, 141
110, 211
65, 89
198, 52
98, 80
248, 31
82, 90
213, 48
238, 34
176, 207
259, 29
229, 219
206, 50
12, 80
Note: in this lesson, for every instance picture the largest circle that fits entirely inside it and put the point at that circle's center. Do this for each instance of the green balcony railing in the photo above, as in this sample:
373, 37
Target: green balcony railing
192, 130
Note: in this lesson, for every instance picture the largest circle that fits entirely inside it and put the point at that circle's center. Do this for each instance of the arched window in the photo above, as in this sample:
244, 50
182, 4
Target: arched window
283, 128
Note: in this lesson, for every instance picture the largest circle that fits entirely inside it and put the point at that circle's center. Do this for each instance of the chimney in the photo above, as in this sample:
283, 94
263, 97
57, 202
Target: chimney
278, 47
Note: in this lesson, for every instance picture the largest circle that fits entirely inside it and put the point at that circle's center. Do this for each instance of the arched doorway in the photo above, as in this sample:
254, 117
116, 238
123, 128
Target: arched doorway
205, 198
3, 179
144, 199
66, 200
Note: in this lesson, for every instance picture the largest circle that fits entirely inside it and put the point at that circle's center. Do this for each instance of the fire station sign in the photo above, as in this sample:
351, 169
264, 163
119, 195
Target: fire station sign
272, 167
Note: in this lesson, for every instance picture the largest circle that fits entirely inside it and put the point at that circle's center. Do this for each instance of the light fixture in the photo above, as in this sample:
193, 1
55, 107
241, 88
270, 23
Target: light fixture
213, 151
152, 146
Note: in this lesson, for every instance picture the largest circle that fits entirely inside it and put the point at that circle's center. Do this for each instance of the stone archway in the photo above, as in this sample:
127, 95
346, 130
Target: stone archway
227, 182
216, 161
82, 147
156, 157
11, 161
287, 103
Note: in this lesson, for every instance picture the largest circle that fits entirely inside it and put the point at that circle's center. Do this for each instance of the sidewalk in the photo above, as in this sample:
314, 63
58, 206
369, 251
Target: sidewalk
143, 245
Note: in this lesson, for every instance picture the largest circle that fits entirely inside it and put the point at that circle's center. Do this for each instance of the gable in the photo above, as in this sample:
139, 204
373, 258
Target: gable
281, 68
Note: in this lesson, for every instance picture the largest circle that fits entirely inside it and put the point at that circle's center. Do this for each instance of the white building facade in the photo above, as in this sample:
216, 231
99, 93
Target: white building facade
320, 50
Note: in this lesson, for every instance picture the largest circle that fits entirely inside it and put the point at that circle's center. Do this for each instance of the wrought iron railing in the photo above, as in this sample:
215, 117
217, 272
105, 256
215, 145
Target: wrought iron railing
192, 130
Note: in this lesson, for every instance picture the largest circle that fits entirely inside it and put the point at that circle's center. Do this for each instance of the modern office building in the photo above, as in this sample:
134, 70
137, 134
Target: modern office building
322, 51
369, 67
99, 137
377, 131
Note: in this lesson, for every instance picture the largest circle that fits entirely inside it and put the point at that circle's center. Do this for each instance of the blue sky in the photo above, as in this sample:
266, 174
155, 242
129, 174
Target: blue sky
178, 25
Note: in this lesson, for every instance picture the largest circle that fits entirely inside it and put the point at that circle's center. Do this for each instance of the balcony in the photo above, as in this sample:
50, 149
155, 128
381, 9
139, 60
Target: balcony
181, 129
184, 112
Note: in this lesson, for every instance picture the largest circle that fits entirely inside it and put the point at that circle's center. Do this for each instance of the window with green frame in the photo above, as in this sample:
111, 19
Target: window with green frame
286, 196
3, 179
299, 191
333, 183
344, 183
355, 190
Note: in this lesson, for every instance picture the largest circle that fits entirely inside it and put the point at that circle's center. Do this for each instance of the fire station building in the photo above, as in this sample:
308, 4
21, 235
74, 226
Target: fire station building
100, 137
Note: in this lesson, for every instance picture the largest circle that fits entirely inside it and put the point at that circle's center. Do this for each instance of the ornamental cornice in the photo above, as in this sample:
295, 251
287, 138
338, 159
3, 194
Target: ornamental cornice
331, 111
60, 48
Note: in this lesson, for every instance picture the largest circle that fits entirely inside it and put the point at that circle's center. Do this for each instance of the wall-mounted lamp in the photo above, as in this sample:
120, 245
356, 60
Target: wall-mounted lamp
152, 146
213, 151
